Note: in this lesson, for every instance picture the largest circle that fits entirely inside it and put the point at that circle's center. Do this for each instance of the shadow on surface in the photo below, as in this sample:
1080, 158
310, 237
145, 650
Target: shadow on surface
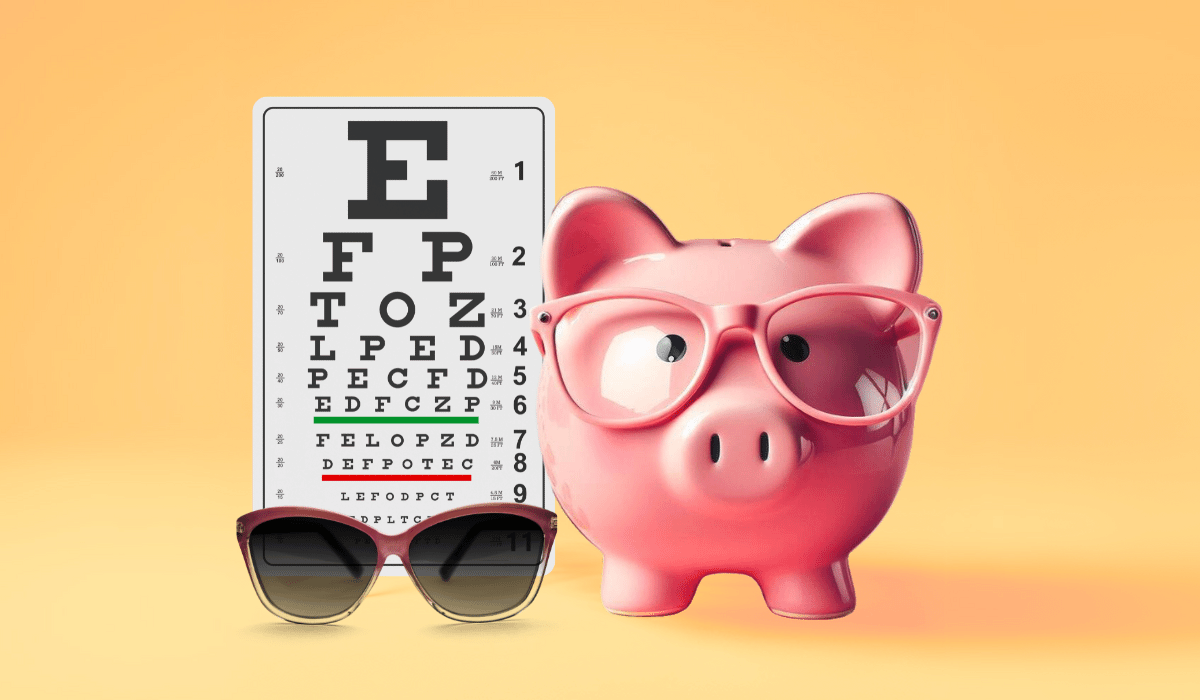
933, 604
283, 629
480, 630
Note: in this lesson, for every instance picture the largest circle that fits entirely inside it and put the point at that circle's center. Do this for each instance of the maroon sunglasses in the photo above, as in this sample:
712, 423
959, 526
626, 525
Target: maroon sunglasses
476, 563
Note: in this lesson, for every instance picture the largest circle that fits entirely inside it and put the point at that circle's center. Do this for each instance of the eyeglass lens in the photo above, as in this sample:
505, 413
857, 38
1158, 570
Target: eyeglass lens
479, 565
846, 355
623, 358
312, 568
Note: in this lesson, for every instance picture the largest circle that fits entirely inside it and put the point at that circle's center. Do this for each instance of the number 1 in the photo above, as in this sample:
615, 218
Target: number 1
520, 170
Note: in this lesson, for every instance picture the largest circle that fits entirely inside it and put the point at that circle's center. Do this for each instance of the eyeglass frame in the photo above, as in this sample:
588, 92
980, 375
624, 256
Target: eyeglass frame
387, 545
726, 317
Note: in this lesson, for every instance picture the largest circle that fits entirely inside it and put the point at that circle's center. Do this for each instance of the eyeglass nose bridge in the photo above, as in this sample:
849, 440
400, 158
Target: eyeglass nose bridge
743, 318
730, 316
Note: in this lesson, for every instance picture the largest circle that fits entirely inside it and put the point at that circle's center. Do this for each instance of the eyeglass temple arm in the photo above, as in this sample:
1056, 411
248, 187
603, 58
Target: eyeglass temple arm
452, 562
906, 326
457, 554
353, 565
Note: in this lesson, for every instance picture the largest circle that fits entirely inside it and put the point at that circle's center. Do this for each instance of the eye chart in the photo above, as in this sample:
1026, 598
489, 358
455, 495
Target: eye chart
397, 249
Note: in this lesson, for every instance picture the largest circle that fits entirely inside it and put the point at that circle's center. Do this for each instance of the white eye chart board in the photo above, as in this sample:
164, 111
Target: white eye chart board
397, 251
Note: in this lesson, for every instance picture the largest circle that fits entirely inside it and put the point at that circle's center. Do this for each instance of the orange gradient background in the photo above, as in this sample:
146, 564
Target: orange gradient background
1044, 543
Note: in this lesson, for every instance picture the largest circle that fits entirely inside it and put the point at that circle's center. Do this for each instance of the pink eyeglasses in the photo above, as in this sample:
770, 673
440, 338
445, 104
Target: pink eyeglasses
842, 353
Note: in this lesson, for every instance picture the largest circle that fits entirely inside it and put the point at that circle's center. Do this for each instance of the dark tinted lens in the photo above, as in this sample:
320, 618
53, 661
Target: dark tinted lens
309, 567
478, 565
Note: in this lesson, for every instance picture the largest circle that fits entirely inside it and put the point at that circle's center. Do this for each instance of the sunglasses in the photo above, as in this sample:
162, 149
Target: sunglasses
846, 354
477, 563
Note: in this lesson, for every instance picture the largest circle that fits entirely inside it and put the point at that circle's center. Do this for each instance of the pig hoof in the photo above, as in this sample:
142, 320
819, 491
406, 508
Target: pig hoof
635, 591
812, 616
656, 613
820, 594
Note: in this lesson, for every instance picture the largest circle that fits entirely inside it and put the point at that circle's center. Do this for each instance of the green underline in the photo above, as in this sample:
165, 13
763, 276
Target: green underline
395, 419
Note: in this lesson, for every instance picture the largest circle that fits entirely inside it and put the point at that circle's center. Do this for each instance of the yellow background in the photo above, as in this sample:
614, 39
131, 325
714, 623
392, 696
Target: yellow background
1044, 543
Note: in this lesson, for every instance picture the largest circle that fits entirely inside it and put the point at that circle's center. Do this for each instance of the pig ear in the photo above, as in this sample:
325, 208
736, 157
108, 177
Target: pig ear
867, 238
593, 228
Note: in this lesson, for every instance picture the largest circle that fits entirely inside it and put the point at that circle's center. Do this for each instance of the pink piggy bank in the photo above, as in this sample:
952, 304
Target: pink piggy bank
729, 405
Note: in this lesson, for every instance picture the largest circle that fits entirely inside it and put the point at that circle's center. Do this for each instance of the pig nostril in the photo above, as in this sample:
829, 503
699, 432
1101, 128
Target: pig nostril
764, 446
714, 448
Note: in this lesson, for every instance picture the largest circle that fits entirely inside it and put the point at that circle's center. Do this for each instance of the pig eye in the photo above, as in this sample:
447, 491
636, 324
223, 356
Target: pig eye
671, 348
793, 347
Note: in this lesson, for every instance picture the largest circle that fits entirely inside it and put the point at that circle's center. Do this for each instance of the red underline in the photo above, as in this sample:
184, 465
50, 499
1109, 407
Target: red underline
395, 477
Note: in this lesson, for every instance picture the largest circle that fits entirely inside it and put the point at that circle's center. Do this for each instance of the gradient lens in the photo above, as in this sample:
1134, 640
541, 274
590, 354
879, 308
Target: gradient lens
479, 565
624, 358
312, 568
847, 355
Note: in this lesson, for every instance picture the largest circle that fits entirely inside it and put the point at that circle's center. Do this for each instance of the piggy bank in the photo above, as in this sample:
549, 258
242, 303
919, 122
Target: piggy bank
729, 405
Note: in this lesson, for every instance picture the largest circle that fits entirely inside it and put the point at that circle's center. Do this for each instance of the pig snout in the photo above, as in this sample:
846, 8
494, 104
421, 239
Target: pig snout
735, 446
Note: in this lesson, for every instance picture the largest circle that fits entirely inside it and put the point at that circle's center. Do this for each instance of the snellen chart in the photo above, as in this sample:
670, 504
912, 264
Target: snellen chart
397, 249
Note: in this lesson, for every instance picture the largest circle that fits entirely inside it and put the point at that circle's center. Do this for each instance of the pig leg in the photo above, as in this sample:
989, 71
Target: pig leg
630, 588
817, 594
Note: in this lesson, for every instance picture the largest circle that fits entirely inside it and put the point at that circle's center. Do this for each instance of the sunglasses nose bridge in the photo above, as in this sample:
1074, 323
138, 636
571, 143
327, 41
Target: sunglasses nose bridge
392, 544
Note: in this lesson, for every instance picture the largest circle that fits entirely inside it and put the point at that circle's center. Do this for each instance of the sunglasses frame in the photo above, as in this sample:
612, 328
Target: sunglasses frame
717, 320
387, 545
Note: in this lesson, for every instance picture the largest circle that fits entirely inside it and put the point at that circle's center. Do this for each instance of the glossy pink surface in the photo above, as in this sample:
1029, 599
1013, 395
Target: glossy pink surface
628, 437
